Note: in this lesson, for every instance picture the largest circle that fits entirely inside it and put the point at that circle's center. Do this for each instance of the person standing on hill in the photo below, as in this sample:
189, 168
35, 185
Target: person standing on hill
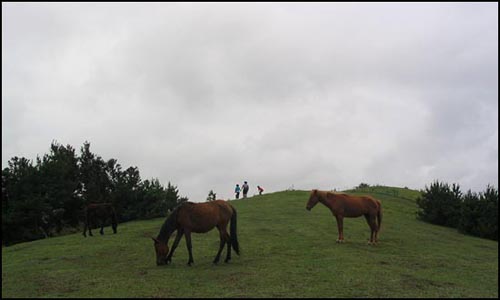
237, 191
245, 189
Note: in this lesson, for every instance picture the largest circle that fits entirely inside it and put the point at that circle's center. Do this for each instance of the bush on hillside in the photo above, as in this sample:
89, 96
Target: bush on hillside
64, 181
211, 196
363, 185
479, 214
440, 204
472, 213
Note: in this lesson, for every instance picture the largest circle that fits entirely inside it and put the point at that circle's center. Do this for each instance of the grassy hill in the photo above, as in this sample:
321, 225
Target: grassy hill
286, 252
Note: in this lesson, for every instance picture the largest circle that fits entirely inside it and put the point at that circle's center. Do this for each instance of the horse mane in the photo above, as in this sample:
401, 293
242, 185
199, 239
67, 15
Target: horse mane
169, 225
338, 193
324, 194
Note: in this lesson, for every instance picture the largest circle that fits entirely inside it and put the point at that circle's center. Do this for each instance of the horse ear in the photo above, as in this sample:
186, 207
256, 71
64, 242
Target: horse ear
315, 191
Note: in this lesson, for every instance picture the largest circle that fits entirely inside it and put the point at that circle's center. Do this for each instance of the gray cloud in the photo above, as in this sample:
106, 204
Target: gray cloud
321, 95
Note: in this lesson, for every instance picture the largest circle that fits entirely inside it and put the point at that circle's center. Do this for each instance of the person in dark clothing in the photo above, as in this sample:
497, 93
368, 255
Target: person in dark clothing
245, 189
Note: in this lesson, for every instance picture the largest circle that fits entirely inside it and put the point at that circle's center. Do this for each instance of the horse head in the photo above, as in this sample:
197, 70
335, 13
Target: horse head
313, 199
161, 250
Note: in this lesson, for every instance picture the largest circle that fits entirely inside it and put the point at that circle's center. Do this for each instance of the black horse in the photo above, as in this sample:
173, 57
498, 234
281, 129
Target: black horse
99, 213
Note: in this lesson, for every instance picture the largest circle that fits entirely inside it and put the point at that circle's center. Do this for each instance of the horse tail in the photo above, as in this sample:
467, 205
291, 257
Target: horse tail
379, 215
233, 236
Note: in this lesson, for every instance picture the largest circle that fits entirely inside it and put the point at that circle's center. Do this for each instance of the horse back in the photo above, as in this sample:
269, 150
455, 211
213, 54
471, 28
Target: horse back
100, 209
355, 206
203, 217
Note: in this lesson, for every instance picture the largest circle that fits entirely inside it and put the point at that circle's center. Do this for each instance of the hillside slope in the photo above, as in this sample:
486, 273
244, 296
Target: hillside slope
286, 252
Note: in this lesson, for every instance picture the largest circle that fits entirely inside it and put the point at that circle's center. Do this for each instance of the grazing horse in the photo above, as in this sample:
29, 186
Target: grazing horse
99, 213
200, 218
343, 205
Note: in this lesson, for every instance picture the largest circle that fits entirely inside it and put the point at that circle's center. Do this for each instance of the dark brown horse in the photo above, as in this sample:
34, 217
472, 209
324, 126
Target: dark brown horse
343, 205
200, 218
98, 214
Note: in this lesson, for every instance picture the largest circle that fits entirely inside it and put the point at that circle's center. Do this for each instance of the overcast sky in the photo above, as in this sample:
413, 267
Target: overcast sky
309, 95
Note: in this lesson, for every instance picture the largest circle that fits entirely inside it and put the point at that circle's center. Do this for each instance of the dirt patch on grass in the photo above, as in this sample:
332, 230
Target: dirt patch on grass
161, 293
49, 286
147, 234
236, 277
412, 282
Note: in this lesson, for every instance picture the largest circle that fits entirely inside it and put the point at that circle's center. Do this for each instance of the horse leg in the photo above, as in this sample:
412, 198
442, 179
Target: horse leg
222, 236
85, 230
340, 227
102, 227
88, 224
90, 227
367, 217
228, 239
178, 237
189, 247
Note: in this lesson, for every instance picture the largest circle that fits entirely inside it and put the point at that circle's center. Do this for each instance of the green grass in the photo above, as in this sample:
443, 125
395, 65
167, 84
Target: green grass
286, 251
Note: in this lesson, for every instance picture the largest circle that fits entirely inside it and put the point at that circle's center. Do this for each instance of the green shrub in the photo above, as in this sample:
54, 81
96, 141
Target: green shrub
363, 185
473, 213
440, 204
479, 214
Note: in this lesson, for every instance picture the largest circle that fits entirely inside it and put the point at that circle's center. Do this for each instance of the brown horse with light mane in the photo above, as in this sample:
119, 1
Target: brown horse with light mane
200, 218
343, 205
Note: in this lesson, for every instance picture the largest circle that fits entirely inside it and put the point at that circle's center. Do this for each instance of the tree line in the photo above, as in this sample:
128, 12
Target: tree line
471, 213
44, 197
